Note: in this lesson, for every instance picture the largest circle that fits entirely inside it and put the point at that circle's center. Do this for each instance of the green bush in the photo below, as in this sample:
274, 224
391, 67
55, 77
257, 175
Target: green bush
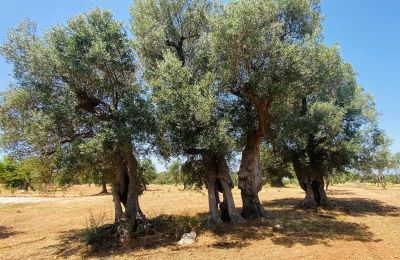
13, 176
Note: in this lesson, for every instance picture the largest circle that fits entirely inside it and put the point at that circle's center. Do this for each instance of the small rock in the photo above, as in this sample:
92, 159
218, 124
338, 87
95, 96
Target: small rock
187, 238
277, 227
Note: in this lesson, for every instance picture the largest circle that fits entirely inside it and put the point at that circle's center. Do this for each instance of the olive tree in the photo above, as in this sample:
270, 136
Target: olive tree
261, 50
377, 161
274, 166
323, 131
77, 86
172, 40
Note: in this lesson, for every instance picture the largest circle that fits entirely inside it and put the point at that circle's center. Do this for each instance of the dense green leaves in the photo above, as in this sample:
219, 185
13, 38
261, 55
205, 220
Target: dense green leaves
147, 172
75, 89
172, 42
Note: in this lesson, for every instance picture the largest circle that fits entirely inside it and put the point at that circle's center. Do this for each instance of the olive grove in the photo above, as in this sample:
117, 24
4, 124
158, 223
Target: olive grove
199, 80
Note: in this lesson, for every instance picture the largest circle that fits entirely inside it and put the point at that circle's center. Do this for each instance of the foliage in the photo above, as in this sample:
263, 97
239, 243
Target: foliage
181, 79
325, 129
377, 161
75, 100
147, 172
12, 176
263, 51
34, 172
173, 175
275, 167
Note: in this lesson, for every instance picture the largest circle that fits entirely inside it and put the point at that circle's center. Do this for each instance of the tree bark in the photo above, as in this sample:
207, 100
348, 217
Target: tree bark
218, 179
226, 183
104, 188
118, 191
312, 182
126, 187
213, 199
250, 171
250, 179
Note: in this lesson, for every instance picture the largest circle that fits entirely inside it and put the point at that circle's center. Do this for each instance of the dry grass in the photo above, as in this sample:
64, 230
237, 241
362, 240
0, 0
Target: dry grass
363, 224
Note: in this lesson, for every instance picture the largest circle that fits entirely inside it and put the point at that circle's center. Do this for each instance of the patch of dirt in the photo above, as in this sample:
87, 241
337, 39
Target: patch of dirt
363, 223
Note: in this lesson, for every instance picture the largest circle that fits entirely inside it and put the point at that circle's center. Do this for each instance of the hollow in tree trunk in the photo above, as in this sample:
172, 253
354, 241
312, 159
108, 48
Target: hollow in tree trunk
312, 182
218, 179
126, 191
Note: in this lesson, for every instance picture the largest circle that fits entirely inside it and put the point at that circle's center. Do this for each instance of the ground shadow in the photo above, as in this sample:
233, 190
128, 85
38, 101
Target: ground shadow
98, 194
339, 192
297, 226
165, 231
349, 206
6, 232
363, 207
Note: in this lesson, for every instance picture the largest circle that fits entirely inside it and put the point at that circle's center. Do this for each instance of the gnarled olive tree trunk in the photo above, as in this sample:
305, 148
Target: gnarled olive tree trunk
126, 187
312, 182
250, 171
218, 180
250, 179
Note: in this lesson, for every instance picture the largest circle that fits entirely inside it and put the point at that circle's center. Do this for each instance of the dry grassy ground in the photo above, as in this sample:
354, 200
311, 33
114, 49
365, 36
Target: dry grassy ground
363, 224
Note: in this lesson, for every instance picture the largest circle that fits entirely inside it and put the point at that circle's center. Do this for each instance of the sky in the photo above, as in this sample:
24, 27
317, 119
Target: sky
367, 31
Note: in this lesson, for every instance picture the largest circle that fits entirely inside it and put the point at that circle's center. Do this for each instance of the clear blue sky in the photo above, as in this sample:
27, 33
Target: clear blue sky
366, 30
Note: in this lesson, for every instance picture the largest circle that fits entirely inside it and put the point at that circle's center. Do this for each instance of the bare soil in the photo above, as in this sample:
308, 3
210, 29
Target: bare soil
363, 223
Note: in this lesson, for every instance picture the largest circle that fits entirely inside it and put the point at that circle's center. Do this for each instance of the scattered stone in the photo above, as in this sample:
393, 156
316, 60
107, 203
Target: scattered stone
187, 238
277, 228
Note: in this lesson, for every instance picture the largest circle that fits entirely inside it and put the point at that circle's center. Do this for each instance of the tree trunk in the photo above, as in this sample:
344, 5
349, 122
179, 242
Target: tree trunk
250, 179
228, 208
381, 180
126, 189
210, 169
312, 182
118, 191
218, 179
104, 188
132, 209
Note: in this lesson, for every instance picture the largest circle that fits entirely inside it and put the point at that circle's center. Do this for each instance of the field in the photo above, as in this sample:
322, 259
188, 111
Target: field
363, 223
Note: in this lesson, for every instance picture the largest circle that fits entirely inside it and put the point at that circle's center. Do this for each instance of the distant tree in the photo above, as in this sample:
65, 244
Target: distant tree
33, 172
275, 167
163, 178
175, 171
12, 176
378, 162
147, 172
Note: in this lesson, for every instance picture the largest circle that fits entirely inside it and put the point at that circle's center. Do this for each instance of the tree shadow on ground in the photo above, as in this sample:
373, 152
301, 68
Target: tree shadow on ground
363, 207
309, 227
6, 232
349, 206
298, 226
102, 241
339, 192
